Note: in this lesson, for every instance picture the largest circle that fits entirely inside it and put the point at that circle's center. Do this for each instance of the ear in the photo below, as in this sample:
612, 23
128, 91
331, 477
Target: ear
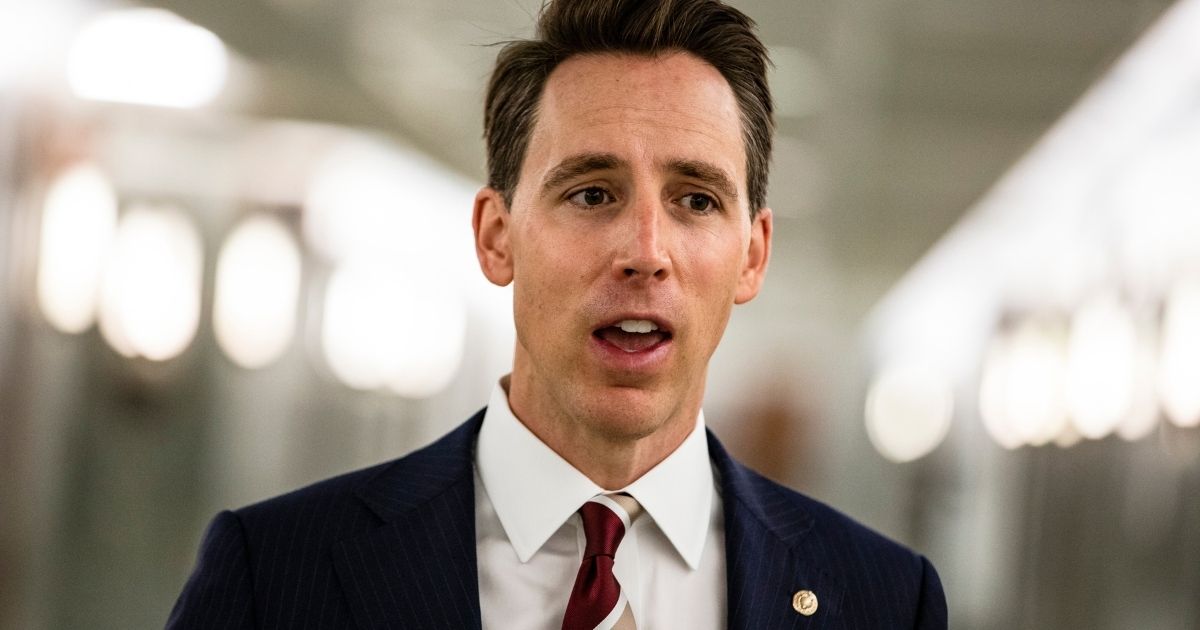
490, 220
757, 256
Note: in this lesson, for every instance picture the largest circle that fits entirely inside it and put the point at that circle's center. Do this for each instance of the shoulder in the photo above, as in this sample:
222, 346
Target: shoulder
878, 581
336, 495
827, 536
838, 535
358, 499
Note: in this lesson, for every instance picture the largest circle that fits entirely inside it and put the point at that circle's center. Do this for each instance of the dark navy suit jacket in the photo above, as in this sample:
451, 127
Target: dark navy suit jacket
393, 546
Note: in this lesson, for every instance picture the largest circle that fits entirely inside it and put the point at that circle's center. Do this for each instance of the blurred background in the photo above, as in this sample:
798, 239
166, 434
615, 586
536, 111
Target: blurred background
235, 258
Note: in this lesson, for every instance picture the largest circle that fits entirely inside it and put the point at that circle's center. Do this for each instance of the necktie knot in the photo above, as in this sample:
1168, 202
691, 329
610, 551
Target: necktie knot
597, 600
602, 528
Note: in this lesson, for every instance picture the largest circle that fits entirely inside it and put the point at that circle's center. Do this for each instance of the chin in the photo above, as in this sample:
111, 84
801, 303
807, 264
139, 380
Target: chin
626, 413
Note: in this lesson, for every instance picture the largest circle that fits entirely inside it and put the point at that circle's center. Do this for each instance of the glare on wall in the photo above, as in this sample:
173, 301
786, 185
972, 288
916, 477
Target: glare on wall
1101, 362
1143, 416
382, 217
909, 410
78, 221
1179, 370
150, 295
385, 326
1021, 391
257, 288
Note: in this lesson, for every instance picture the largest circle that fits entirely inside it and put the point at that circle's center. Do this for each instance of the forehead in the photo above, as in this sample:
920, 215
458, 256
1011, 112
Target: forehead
669, 106
625, 75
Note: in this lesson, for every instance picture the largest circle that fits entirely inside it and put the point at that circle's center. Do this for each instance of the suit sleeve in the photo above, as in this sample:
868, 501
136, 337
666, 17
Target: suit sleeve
931, 609
219, 594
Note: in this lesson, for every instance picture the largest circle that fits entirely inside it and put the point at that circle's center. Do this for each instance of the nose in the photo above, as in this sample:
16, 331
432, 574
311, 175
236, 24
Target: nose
643, 253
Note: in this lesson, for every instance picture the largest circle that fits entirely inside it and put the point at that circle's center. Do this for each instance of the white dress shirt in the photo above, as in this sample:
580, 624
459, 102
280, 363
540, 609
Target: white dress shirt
529, 538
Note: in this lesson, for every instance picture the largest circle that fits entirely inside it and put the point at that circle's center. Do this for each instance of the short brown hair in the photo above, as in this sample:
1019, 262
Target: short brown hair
717, 33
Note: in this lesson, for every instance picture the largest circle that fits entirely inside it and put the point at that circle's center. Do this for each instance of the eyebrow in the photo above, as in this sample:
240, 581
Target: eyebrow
578, 165
705, 173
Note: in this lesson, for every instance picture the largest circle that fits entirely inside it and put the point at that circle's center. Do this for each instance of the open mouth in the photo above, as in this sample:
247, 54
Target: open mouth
633, 335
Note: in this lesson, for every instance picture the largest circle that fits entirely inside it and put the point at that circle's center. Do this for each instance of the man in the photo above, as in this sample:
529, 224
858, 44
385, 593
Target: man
627, 151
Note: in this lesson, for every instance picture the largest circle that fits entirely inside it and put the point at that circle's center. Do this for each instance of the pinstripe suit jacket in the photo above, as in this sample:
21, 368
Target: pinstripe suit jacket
393, 546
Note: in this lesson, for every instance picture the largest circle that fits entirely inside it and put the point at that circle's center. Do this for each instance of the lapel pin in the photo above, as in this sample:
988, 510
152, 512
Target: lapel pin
805, 602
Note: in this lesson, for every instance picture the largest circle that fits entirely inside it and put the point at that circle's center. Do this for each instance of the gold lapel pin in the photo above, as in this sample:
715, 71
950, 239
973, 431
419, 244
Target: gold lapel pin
805, 602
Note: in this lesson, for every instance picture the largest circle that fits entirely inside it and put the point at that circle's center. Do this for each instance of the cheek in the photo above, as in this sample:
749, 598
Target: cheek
543, 283
714, 276
715, 268
539, 242
558, 262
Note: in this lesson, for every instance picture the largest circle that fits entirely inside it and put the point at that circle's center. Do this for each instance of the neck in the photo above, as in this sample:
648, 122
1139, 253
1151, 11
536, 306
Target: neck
599, 447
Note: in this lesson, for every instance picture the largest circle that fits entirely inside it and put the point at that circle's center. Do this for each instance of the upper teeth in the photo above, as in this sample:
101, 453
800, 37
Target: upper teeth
637, 326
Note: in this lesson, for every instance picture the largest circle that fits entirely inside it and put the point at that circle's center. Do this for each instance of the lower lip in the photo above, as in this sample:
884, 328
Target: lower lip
646, 360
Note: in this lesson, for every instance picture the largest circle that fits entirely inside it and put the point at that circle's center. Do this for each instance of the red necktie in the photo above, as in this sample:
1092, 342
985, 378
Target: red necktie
596, 600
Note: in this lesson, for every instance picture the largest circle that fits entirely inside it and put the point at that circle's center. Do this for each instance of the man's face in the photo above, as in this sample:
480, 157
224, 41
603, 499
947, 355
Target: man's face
631, 215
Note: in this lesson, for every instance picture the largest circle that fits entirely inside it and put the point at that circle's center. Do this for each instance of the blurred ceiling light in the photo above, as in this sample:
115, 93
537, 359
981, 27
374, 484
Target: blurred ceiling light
937, 313
387, 326
1179, 368
1060, 275
257, 288
355, 201
368, 197
148, 57
1013, 248
1021, 389
1101, 359
78, 221
389, 220
1154, 201
150, 296
908, 412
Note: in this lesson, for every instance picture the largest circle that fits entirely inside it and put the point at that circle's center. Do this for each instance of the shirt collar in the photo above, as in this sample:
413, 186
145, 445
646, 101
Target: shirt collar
678, 494
534, 490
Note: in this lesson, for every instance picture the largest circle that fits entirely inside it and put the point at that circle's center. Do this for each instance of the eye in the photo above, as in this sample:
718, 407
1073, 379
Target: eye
699, 203
589, 197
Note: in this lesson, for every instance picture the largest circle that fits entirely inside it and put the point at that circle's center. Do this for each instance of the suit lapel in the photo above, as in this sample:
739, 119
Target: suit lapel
418, 570
766, 536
